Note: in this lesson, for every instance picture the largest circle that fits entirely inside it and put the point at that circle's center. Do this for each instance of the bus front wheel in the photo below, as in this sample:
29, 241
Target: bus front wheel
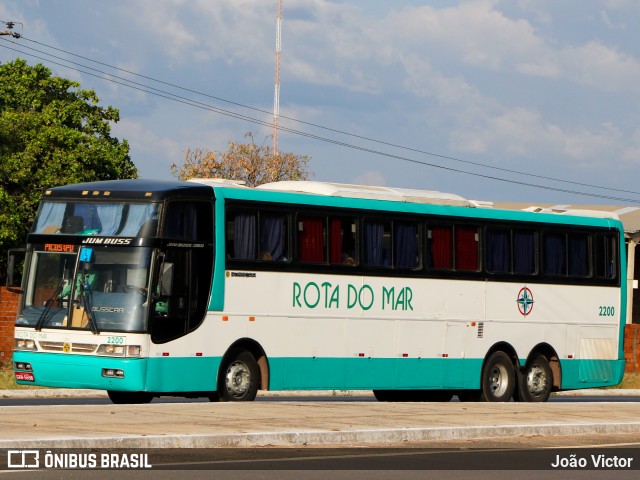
498, 381
239, 377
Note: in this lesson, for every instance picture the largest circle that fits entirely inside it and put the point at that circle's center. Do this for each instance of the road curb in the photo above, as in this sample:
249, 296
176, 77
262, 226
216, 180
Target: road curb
325, 438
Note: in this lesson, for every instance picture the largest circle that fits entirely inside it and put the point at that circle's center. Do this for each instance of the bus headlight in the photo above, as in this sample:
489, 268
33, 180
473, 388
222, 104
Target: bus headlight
119, 350
24, 344
133, 351
111, 350
22, 366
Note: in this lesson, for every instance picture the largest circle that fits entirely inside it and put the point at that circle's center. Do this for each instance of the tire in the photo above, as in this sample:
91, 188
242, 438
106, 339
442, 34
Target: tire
498, 381
129, 398
536, 380
239, 376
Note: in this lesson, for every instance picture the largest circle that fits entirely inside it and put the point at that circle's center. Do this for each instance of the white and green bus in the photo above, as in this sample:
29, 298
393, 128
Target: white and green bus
211, 289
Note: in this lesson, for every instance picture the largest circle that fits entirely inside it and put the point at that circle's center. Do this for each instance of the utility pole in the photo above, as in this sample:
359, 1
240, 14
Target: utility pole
276, 95
9, 30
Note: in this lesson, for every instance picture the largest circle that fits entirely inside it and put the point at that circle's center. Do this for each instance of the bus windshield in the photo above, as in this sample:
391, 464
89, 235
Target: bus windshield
116, 219
100, 288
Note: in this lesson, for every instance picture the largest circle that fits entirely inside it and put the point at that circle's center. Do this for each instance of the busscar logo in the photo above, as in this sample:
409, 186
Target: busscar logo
23, 459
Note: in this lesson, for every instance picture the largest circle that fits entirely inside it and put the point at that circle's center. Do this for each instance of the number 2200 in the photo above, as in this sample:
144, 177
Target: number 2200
606, 311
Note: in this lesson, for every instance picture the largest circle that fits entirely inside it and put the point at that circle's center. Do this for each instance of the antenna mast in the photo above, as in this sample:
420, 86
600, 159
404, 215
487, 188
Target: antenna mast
276, 95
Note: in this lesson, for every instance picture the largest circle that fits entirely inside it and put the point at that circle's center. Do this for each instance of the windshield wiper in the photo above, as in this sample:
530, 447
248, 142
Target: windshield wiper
85, 294
47, 313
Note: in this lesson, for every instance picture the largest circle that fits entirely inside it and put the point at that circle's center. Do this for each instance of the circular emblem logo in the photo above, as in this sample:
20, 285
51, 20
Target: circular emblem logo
525, 301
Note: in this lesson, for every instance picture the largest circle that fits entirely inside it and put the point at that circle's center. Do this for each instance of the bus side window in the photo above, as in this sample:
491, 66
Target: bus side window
497, 243
578, 255
524, 252
241, 236
467, 244
554, 253
311, 239
189, 221
406, 253
342, 241
605, 250
440, 247
377, 243
273, 237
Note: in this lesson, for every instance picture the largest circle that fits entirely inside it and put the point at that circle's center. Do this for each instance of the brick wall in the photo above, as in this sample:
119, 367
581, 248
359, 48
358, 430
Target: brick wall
8, 308
632, 348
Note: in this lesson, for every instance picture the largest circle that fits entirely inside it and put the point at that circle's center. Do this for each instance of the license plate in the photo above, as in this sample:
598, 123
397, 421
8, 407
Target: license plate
25, 377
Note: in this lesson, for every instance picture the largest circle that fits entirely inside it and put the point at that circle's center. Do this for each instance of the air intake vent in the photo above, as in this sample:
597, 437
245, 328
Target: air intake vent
480, 329
73, 347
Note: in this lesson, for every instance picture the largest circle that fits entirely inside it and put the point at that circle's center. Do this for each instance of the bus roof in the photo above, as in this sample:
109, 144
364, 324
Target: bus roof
138, 189
369, 192
128, 189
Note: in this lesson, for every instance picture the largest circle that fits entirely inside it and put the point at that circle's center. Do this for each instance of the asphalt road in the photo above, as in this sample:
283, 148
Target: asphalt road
522, 456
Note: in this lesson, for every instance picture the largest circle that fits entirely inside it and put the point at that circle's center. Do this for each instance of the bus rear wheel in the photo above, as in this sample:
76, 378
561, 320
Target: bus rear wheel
239, 377
129, 398
537, 380
498, 381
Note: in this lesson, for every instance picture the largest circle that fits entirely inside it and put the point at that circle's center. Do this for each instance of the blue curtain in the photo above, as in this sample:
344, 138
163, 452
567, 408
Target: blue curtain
272, 236
578, 255
524, 253
554, 254
89, 214
405, 239
373, 235
110, 217
497, 251
137, 215
244, 236
51, 215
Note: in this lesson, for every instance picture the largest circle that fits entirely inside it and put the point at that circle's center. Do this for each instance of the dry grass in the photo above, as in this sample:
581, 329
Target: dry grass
7, 380
630, 381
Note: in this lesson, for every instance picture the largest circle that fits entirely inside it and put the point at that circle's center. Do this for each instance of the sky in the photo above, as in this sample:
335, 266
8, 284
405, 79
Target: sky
514, 100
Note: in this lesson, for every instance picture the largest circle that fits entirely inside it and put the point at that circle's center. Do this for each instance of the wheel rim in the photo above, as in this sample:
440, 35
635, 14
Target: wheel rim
238, 378
536, 380
498, 380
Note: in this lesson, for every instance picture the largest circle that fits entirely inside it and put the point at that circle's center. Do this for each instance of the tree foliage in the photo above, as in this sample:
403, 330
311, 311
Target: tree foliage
51, 133
251, 163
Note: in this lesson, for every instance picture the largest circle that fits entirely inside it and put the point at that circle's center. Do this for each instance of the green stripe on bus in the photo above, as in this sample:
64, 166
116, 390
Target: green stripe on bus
184, 374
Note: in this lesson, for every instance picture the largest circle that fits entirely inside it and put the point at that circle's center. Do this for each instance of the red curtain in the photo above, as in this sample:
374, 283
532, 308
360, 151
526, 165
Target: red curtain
466, 248
310, 240
441, 247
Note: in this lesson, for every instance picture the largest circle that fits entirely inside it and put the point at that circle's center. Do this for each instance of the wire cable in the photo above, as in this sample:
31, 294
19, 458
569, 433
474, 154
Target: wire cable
193, 103
361, 137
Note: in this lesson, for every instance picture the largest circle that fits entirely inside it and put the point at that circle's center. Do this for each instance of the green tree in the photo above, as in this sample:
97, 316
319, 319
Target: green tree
51, 133
251, 163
